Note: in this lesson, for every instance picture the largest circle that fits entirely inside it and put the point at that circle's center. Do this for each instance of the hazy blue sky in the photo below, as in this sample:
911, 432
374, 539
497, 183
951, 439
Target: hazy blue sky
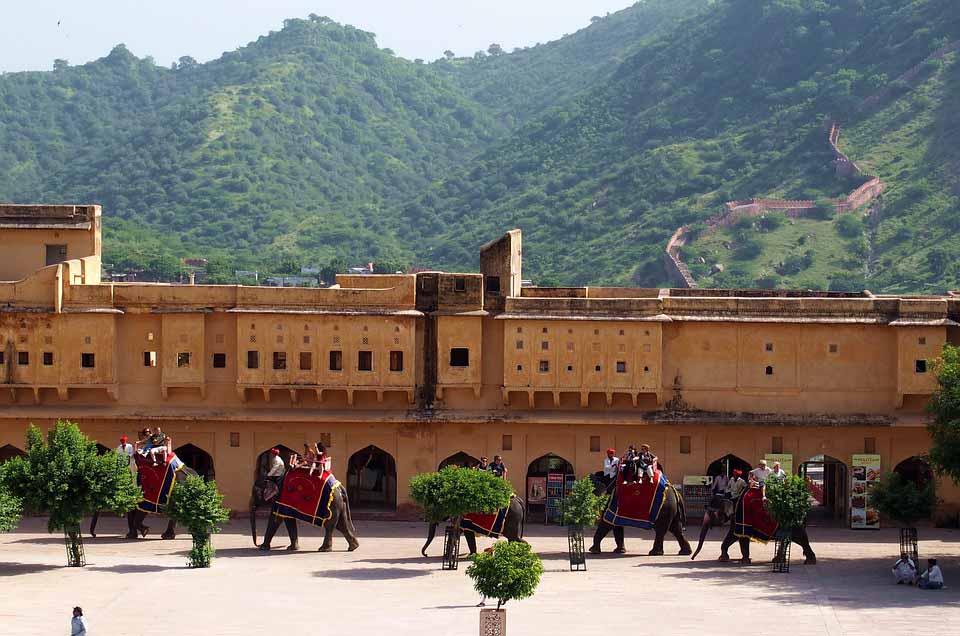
30, 37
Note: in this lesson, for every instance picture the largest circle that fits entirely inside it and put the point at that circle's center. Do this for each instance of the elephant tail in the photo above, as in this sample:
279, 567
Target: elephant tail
346, 510
523, 517
253, 520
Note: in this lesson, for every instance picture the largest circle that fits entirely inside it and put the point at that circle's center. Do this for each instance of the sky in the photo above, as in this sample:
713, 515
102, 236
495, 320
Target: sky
33, 33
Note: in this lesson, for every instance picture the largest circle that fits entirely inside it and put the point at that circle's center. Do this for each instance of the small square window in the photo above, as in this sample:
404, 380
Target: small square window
646, 369
219, 338
336, 340
506, 442
48, 358
306, 340
776, 445
621, 366
597, 368
921, 340
594, 443
544, 366
306, 361
569, 368
253, 359
365, 361
519, 345
920, 366
544, 330
365, 340
87, 340
621, 332
684, 444
769, 370
870, 445
459, 357
149, 358
183, 359
253, 338
88, 360
519, 329
519, 368
834, 348
219, 361
23, 358
544, 346
396, 360
493, 284
596, 332
459, 284
336, 361
234, 440
48, 340
768, 346
570, 346
150, 336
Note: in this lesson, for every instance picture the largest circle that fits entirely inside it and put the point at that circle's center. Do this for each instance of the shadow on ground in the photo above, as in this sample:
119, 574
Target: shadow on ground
16, 569
371, 574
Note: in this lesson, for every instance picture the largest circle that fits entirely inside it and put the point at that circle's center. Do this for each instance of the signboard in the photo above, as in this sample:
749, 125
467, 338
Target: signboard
536, 490
785, 459
554, 509
864, 476
697, 480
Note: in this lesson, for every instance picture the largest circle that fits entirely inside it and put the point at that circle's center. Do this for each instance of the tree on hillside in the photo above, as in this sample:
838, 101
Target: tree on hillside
66, 478
449, 54
944, 407
495, 49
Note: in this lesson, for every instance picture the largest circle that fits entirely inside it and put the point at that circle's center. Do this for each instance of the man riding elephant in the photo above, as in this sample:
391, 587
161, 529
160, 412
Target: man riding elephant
653, 504
300, 494
507, 522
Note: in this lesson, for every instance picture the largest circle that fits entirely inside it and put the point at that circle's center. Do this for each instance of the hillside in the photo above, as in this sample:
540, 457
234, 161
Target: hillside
313, 144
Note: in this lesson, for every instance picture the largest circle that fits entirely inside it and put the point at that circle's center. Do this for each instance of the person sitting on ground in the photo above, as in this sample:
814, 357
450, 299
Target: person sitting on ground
611, 464
737, 486
932, 579
904, 570
498, 468
648, 461
761, 472
630, 462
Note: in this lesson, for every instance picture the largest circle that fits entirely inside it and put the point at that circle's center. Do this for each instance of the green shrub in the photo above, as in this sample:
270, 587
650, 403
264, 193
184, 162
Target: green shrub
944, 427
903, 500
510, 571
581, 507
849, 225
771, 221
198, 505
454, 492
748, 249
788, 500
10, 510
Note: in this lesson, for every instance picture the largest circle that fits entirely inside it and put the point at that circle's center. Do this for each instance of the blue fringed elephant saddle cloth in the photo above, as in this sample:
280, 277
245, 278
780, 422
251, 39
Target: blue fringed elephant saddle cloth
751, 520
637, 504
157, 482
306, 497
486, 524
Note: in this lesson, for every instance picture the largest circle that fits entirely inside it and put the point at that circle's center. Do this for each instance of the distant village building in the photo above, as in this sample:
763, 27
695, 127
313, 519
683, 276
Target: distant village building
399, 374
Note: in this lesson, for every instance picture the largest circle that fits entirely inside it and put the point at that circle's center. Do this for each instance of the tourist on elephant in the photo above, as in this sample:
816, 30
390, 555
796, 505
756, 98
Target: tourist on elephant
323, 459
630, 461
610, 466
904, 570
498, 468
648, 461
737, 486
484, 464
761, 472
777, 472
932, 579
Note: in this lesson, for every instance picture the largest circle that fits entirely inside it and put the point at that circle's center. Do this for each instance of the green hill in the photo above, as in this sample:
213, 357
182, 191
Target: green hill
312, 144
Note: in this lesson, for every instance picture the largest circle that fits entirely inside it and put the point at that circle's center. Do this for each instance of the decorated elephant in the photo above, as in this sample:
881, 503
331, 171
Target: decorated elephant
314, 497
507, 522
748, 522
652, 503
157, 482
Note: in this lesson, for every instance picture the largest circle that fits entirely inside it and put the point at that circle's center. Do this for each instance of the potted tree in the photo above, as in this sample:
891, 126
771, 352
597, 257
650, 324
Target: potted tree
580, 510
198, 505
944, 407
508, 571
788, 502
906, 503
452, 492
65, 478
10, 510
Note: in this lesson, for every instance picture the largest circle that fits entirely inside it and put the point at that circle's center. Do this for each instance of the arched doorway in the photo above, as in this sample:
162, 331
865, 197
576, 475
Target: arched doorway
727, 464
372, 479
263, 458
549, 478
916, 470
9, 452
197, 459
460, 459
827, 481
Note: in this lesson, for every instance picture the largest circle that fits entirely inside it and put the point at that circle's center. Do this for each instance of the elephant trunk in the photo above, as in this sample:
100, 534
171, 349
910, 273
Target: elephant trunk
431, 533
703, 535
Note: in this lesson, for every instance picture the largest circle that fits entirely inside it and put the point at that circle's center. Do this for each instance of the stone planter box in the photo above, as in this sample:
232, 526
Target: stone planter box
493, 622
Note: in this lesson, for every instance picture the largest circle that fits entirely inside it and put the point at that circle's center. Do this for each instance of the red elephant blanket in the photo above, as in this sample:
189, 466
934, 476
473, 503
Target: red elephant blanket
486, 524
637, 504
156, 481
306, 497
751, 519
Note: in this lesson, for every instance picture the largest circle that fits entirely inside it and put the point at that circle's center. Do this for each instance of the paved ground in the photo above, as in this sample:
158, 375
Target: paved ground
387, 588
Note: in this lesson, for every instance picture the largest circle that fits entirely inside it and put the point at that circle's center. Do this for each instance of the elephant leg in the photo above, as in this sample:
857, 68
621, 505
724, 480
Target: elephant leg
93, 524
272, 524
293, 531
728, 541
135, 524
676, 529
603, 530
171, 531
471, 541
801, 538
328, 528
745, 550
618, 537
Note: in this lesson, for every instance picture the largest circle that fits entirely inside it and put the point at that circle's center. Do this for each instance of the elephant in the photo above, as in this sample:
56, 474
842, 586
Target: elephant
513, 526
340, 518
672, 518
136, 517
723, 515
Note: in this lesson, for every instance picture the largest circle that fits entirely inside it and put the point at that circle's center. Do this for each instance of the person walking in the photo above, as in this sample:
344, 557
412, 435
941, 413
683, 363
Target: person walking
78, 624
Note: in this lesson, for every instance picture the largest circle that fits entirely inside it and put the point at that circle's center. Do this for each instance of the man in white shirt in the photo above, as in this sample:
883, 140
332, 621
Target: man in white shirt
904, 570
78, 624
761, 472
611, 464
736, 486
276, 467
932, 579
777, 472
125, 453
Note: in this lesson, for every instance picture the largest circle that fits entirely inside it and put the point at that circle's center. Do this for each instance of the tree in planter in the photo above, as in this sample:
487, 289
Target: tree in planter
10, 510
198, 505
580, 509
509, 571
65, 478
906, 503
788, 502
944, 406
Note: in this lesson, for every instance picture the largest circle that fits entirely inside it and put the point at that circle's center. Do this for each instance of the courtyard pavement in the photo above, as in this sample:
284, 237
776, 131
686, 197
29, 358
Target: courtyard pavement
385, 587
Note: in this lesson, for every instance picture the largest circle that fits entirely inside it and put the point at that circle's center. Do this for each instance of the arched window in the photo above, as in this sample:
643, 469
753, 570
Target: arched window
460, 459
263, 458
541, 492
727, 464
372, 479
828, 484
9, 452
197, 459
915, 470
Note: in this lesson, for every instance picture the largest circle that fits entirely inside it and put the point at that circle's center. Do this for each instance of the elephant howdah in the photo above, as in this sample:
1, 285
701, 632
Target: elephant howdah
506, 522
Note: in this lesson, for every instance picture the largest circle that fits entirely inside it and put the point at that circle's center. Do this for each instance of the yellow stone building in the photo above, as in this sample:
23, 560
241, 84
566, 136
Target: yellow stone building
399, 374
